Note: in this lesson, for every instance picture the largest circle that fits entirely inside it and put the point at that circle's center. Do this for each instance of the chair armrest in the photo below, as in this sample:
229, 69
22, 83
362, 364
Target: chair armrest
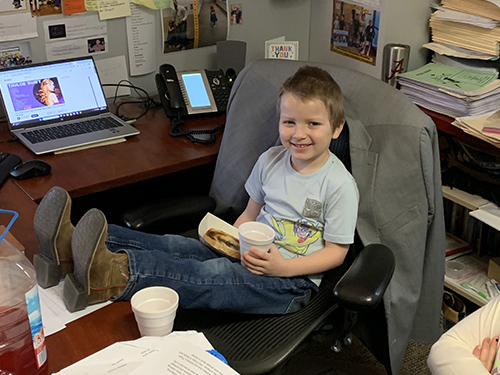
173, 215
363, 285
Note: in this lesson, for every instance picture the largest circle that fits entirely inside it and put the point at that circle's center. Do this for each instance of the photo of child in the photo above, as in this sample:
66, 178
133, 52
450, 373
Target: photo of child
236, 14
96, 45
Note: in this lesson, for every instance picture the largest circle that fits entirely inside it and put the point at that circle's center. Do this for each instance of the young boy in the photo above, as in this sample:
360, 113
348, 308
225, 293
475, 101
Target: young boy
300, 189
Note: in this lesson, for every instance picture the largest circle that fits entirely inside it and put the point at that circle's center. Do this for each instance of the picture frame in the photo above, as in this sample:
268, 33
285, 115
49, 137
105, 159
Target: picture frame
282, 50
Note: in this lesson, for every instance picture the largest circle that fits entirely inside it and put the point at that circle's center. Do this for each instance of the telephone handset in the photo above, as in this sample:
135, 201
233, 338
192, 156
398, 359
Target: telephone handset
192, 92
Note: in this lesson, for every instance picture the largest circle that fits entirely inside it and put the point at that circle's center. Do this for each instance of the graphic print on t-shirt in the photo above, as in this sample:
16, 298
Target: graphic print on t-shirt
297, 236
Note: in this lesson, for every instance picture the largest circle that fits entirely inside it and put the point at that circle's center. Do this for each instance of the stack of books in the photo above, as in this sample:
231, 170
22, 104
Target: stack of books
453, 91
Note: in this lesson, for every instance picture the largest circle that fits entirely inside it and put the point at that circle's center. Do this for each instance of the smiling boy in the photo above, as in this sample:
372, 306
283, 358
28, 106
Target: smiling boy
299, 188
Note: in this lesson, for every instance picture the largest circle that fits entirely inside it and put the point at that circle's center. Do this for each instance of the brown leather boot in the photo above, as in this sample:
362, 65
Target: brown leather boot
99, 274
54, 230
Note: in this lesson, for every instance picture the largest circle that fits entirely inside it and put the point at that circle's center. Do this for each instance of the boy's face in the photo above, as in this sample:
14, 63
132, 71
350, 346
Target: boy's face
305, 130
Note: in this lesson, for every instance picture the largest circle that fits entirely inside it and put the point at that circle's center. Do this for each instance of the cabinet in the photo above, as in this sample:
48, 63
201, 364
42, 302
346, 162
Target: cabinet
480, 229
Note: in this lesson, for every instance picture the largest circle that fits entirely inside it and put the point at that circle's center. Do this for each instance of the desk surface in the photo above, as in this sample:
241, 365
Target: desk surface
150, 154
91, 333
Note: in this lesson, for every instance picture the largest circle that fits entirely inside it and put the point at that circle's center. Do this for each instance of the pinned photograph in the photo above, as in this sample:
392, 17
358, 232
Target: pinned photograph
236, 14
45, 7
14, 54
13, 6
355, 31
193, 24
96, 45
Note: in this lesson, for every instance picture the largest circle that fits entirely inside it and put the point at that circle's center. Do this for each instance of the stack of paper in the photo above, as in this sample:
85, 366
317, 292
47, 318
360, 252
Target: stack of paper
468, 30
465, 35
474, 64
453, 91
179, 353
445, 14
485, 127
449, 50
483, 8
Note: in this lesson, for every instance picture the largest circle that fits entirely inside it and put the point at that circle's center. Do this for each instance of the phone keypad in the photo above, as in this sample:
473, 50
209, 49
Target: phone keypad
220, 89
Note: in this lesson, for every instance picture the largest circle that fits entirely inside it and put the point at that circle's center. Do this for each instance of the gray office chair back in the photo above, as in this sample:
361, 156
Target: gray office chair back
412, 187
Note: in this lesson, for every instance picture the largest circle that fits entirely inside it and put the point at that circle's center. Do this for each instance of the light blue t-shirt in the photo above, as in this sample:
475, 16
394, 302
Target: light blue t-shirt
304, 210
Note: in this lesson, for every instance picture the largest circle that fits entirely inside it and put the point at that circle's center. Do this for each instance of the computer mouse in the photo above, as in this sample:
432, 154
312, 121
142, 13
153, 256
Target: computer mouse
30, 169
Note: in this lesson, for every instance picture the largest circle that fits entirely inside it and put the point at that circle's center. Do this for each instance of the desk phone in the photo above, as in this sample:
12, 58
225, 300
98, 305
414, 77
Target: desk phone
197, 92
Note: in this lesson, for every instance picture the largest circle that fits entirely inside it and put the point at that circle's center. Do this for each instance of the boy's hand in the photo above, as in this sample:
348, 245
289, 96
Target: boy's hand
270, 263
486, 352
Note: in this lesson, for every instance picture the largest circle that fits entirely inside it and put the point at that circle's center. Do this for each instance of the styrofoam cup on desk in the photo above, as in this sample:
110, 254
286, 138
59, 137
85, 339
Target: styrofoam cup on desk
154, 310
255, 234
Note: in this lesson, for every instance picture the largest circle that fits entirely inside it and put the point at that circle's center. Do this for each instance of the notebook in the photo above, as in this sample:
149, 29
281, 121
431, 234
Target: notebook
59, 105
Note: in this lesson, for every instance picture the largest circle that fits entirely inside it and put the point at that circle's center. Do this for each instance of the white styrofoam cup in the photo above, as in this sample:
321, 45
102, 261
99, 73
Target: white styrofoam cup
255, 234
154, 310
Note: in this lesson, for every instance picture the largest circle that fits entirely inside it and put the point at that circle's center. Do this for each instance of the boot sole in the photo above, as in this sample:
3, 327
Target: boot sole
46, 224
88, 232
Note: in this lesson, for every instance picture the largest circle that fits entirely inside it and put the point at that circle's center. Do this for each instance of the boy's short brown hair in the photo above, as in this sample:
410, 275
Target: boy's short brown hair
310, 82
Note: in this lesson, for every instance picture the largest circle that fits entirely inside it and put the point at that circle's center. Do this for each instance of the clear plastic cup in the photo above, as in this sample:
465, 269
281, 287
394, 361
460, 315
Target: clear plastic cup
154, 310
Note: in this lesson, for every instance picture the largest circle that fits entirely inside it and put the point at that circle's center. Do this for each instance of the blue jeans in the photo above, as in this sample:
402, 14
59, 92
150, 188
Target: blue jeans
201, 278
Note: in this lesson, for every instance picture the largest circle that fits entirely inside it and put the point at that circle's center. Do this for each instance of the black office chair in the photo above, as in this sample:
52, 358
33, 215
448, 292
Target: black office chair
262, 344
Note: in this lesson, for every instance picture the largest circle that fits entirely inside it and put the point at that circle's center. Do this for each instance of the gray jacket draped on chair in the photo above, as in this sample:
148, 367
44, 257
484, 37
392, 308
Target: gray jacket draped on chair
395, 161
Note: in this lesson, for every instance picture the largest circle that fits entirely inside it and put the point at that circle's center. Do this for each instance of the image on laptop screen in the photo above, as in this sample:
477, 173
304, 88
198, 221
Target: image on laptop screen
43, 92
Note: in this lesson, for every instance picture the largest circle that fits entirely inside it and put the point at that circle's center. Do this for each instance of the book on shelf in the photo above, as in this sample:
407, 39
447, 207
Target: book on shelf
478, 228
456, 246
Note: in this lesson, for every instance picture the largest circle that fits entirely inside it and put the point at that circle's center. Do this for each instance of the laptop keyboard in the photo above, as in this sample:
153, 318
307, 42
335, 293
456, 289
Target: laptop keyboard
69, 130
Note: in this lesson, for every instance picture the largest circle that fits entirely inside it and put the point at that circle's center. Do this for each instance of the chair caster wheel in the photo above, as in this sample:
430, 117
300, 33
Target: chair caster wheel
337, 346
348, 340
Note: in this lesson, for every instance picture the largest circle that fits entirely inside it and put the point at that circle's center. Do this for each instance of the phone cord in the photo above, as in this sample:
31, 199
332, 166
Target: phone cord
197, 136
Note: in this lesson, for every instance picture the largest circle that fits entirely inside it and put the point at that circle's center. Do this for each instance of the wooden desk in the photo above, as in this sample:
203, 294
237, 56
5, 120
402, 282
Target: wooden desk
90, 334
150, 154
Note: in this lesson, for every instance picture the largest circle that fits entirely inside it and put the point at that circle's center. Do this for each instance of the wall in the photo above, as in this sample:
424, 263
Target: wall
308, 21
262, 20
402, 21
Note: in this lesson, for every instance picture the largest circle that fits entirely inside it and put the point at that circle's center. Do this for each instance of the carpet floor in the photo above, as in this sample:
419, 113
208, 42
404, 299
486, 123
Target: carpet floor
318, 358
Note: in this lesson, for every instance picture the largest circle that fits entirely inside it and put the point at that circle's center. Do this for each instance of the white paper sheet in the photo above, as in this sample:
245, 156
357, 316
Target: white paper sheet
72, 48
74, 27
179, 353
17, 26
141, 39
488, 214
55, 315
113, 70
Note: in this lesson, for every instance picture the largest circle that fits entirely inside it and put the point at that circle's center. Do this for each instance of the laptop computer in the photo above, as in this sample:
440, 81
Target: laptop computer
59, 105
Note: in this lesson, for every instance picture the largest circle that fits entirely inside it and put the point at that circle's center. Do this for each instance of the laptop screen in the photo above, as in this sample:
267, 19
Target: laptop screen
51, 92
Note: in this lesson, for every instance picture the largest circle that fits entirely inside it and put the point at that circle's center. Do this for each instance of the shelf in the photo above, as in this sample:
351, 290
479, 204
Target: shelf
476, 273
443, 124
481, 209
470, 201
471, 296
